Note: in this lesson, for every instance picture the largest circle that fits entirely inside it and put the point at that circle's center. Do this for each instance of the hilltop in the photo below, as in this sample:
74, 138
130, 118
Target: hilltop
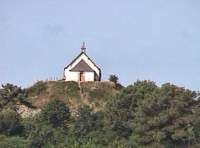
75, 95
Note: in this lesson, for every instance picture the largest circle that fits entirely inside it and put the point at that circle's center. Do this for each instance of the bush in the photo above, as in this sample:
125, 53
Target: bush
113, 78
45, 136
86, 121
12, 142
12, 95
121, 129
10, 122
55, 113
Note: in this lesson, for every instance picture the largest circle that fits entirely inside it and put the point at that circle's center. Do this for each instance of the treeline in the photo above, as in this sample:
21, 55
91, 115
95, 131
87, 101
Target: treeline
142, 115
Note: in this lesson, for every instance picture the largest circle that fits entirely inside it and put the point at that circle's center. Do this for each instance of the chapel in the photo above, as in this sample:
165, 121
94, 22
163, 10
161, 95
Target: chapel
82, 68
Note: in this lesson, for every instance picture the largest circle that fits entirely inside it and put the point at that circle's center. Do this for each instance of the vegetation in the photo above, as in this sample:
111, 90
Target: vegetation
113, 78
142, 115
55, 113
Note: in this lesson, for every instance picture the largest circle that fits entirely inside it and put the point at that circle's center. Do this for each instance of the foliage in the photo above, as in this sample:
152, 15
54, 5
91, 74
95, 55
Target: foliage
86, 121
12, 142
142, 115
11, 96
55, 113
113, 78
45, 136
10, 122
163, 117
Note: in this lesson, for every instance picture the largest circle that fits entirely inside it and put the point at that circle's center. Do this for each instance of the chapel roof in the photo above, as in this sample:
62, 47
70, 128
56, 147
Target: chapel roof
82, 66
83, 51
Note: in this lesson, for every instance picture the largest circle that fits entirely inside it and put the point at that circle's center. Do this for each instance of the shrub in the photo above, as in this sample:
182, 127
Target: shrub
11, 95
46, 136
12, 142
10, 122
113, 78
87, 121
55, 113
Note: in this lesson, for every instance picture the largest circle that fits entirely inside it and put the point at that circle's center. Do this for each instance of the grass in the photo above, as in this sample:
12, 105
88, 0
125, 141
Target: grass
94, 94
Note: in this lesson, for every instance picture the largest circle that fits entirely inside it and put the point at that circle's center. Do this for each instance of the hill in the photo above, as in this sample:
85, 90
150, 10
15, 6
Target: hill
62, 114
75, 95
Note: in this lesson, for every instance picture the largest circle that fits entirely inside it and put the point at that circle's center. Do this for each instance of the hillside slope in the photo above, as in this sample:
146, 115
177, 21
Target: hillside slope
94, 94
141, 115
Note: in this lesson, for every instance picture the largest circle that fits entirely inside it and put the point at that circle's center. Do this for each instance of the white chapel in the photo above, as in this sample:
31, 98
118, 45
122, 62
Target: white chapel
82, 68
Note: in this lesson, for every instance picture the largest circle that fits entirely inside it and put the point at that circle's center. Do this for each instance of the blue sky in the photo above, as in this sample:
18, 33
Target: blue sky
135, 39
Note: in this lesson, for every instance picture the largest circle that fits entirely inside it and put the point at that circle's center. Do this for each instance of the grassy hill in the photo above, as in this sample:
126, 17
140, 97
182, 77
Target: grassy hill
94, 94
99, 114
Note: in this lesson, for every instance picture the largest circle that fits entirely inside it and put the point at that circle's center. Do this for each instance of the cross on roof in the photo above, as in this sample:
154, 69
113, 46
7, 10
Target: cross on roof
83, 48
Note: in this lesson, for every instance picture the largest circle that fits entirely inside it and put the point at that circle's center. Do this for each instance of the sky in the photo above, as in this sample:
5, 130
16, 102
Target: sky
157, 40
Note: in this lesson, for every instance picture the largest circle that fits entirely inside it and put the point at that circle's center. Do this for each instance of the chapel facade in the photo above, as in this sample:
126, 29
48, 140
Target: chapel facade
82, 68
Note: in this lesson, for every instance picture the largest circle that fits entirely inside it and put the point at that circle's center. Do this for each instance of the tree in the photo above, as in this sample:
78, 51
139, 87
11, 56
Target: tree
164, 118
113, 78
87, 121
45, 136
155, 116
123, 106
55, 113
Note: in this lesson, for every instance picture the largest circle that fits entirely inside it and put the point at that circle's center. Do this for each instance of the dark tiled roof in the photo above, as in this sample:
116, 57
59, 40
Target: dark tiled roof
78, 57
82, 66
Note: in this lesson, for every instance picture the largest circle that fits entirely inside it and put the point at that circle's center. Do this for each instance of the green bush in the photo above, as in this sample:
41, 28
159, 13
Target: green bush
11, 96
10, 122
46, 136
87, 121
113, 78
13, 142
55, 113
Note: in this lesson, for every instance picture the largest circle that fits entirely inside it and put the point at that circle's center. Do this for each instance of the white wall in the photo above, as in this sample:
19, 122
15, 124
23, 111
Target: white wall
89, 76
71, 76
74, 76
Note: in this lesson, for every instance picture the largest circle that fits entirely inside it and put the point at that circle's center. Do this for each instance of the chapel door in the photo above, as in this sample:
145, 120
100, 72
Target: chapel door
82, 77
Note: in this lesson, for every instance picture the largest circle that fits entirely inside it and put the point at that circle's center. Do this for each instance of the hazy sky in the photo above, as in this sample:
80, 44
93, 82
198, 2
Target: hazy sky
135, 39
